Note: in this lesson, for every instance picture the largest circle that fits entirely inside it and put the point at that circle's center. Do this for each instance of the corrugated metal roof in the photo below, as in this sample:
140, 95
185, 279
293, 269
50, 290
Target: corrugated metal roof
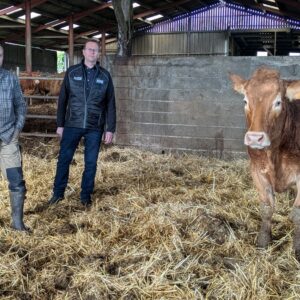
96, 16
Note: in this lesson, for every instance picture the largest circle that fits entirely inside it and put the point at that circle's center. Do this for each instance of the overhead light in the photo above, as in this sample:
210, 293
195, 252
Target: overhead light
67, 27
294, 54
32, 15
154, 17
270, 6
135, 4
99, 36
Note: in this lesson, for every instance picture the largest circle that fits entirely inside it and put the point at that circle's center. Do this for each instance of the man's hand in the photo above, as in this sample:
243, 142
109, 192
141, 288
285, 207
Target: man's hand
108, 137
16, 134
60, 131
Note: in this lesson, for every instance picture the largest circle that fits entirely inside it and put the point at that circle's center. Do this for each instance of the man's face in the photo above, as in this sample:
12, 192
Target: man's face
1, 56
91, 52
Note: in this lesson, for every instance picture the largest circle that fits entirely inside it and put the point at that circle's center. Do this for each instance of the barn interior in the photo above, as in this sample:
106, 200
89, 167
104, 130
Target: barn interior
175, 212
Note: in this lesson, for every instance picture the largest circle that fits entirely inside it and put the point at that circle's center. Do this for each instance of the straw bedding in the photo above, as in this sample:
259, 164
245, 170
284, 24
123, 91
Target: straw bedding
160, 227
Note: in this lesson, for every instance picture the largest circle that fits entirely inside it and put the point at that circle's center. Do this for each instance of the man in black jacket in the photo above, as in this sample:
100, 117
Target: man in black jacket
86, 108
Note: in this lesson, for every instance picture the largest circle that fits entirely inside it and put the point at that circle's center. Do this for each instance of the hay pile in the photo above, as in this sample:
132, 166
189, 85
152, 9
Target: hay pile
160, 227
41, 125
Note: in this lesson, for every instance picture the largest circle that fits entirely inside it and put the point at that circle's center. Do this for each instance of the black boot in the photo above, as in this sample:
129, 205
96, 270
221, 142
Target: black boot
54, 200
17, 205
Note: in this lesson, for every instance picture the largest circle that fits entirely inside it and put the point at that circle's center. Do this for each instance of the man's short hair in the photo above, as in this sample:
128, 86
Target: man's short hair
91, 41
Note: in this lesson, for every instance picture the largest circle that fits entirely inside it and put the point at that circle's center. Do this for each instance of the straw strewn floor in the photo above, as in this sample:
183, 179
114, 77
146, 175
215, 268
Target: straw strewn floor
160, 227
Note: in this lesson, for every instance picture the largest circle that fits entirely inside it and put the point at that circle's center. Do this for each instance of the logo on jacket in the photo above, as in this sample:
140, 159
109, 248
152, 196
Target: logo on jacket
99, 81
77, 77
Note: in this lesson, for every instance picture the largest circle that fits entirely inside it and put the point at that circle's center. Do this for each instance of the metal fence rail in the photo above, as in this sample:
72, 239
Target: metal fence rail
29, 99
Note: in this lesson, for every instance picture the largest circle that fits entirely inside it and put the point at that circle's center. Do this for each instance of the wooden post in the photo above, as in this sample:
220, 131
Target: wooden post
103, 47
28, 58
71, 42
123, 13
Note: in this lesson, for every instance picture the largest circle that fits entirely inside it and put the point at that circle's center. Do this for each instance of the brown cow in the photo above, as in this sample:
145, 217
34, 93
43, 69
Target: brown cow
50, 87
29, 86
273, 140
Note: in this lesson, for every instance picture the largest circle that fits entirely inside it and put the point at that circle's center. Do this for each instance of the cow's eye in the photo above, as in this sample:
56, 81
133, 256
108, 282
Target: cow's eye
277, 103
245, 101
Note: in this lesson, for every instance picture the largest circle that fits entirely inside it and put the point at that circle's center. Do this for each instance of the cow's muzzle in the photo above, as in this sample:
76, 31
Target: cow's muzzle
257, 139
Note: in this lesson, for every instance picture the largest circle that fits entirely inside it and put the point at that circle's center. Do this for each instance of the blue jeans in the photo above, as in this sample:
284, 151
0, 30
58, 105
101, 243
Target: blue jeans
69, 142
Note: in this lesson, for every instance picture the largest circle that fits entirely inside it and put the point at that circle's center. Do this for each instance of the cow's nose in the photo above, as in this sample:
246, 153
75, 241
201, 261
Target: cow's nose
256, 139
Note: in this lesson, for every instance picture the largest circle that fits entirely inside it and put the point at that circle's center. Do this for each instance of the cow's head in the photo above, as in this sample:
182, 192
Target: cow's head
266, 99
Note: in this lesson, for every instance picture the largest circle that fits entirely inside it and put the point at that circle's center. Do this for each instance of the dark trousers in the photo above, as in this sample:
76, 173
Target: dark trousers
69, 142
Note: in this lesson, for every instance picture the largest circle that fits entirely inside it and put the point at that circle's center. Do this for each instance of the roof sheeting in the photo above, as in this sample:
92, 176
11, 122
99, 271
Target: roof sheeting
97, 16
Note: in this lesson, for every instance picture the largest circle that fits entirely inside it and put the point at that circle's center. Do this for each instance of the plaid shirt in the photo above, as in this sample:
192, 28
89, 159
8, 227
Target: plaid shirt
12, 106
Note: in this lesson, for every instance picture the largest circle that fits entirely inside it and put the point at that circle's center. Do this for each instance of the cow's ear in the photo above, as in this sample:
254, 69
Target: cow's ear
292, 89
238, 83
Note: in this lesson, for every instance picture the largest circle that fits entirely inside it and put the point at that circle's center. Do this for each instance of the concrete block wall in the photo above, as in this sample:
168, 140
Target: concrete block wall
185, 104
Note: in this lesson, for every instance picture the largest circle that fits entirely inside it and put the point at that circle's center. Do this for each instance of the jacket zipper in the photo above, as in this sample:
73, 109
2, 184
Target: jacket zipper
85, 100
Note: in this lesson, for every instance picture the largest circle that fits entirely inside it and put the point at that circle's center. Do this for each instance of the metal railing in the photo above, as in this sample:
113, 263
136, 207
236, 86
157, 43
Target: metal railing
29, 100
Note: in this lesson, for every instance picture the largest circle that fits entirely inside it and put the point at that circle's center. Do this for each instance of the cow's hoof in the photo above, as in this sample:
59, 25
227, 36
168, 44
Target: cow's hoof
297, 243
297, 255
264, 239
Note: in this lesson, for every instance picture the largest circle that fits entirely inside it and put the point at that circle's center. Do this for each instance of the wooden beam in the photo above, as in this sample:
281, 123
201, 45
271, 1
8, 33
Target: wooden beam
50, 37
10, 26
76, 16
15, 7
20, 21
137, 16
39, 134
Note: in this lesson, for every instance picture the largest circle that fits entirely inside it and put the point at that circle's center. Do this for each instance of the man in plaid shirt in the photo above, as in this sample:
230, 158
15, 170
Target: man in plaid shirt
12, 119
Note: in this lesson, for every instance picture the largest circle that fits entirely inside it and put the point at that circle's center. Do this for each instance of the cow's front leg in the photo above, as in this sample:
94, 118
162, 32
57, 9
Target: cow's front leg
267, 203
295, 216
265, 233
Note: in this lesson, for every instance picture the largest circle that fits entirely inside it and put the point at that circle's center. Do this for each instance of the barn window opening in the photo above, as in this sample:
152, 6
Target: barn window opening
67, 27
32, 15
135, 4
99, 36
61, 61
261, 53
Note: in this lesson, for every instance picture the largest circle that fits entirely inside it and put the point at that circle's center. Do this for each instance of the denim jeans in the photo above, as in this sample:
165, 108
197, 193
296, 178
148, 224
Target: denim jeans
69, 142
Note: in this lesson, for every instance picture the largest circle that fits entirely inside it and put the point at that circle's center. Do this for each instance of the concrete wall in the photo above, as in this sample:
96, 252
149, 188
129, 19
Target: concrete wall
185, 103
